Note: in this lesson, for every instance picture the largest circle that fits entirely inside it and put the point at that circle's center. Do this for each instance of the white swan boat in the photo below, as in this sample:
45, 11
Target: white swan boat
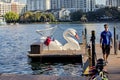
49, 50
72, 43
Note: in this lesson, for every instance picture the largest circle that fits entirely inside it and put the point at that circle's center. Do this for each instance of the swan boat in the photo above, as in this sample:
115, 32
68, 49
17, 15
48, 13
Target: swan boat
69, 35
48, 50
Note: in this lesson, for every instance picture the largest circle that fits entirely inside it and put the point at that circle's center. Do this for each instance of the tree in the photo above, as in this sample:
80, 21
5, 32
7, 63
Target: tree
75, 16
91, 16
37, 16
50, 17
43, 18
83, 18
28, 16
11, 17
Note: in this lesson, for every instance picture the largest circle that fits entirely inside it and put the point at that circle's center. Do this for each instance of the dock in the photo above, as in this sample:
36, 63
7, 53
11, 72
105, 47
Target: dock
37, 54
113, 66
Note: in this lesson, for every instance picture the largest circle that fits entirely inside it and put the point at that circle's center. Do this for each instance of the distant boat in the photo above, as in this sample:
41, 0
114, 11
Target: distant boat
47, 22
2, 23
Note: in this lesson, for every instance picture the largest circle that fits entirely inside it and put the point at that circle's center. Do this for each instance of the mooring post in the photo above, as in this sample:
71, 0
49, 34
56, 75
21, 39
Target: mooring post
115, 45
119, 45
89, 56
85, 40
93, 47
85, 35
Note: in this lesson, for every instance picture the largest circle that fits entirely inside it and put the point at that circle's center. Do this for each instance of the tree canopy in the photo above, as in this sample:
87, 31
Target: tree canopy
11, 17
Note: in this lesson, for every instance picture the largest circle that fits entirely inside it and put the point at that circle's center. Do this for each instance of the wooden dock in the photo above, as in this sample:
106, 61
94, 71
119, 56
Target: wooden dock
113, 66
37, 54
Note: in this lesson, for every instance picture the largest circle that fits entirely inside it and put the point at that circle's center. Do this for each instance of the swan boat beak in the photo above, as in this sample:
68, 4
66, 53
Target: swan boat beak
76, 36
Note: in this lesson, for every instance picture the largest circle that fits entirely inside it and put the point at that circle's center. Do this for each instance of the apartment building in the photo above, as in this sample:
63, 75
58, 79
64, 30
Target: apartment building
4, 8
113, 3
38, 5
14, 7
18, 8
85, 5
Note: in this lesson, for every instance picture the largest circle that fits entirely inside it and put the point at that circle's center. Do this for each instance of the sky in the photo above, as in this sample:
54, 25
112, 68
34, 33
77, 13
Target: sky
97, 1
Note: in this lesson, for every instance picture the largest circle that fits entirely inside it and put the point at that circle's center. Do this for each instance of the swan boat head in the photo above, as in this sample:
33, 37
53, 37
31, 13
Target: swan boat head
72, 44
70, 32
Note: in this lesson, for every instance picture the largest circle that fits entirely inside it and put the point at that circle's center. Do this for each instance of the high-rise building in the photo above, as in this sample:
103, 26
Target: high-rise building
85, 5
118, 1
4, 8
18, 8
113, 3
7, 1
14, 7
38, 5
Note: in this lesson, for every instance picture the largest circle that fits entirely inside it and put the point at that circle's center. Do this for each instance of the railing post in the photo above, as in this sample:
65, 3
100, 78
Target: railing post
93, 47
89, 56
117, 44
85, 35
115, 41
85, 40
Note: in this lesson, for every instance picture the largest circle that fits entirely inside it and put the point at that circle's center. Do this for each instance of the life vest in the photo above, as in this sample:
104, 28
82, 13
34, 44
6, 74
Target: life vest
47, 41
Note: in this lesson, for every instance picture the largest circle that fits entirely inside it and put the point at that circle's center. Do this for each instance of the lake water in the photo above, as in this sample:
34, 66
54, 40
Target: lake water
15, 41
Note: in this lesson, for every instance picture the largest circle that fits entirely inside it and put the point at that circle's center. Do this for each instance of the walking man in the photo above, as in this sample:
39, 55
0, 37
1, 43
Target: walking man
106, 42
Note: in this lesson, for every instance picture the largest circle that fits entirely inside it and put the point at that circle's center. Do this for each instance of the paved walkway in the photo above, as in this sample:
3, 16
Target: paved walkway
113, 68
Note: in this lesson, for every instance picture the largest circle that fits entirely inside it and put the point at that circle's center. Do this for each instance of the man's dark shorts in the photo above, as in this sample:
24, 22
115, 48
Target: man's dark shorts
106, 49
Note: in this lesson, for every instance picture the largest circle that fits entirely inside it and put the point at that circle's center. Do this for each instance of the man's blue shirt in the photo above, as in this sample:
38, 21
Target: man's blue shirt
106, 36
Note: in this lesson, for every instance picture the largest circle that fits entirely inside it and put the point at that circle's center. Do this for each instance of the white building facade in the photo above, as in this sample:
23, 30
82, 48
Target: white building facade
4, 8
64, 14
38, 5
21, 8
85, 5
113, 3
14, 7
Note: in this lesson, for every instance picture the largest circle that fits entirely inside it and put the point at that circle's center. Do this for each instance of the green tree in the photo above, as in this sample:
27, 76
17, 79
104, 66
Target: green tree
11, 17
43, 17
37, 16
75, 16
50, 17
28, 16
83, 18
107, 13
91, 16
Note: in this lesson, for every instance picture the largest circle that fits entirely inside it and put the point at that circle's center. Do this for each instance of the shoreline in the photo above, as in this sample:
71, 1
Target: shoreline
70, 22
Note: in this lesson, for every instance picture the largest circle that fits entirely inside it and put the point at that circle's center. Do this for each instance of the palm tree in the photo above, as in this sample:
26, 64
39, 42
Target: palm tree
83, 18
